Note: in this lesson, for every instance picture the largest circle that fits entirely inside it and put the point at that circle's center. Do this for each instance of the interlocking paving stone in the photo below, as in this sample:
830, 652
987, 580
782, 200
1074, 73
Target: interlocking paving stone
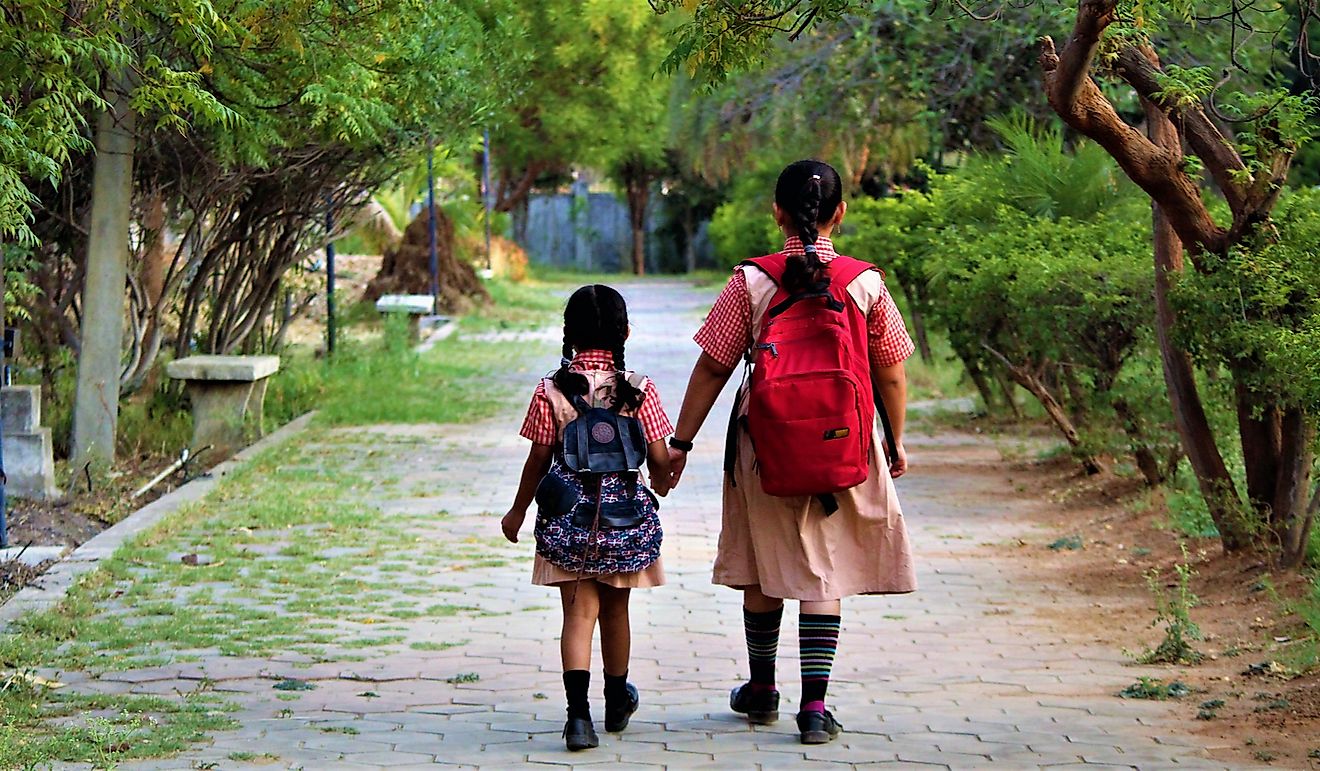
963, 673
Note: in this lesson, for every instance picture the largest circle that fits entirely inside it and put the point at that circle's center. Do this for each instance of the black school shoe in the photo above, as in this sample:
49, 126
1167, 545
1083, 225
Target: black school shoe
817, 727
760, 706
580, 734
616, 715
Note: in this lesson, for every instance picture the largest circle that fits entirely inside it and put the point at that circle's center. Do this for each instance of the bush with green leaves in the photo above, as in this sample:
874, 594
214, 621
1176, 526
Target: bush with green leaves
1036, 263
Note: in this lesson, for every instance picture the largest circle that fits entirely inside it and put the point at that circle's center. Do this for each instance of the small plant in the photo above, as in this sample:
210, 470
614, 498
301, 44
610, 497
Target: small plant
1264, 756
1174, 612
1209, 710
465, 677
1067, 543
294, 684
1155, 689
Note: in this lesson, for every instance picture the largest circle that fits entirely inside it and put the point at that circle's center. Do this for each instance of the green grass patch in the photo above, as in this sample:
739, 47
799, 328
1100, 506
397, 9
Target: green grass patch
271, 581
39, 727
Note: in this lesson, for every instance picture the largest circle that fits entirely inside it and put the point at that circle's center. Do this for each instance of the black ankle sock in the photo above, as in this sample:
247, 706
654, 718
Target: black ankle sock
577, 683
616, 687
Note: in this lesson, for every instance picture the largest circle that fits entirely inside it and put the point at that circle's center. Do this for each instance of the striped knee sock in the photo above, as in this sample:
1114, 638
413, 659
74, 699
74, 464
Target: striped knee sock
762, 631
818, 639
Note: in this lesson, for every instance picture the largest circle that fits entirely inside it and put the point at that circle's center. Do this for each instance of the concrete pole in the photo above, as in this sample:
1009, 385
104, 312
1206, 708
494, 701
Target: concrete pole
100, 357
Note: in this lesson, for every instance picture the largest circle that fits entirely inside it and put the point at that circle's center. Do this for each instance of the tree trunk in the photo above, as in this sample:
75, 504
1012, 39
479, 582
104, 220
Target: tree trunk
639, 192
1290, 517
918, 322
1198, 440
1146, 461
96, 403
1052, 407
689, 240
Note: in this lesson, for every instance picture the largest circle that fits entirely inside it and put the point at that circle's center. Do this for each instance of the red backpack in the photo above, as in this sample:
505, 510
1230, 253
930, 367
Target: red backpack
812, 403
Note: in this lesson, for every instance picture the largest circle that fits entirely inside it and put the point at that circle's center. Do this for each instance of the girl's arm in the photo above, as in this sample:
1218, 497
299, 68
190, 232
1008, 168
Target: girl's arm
708, 379
538, 462
657, 465
891, 381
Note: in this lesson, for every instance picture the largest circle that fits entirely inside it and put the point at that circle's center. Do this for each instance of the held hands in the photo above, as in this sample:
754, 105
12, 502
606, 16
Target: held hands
677, 461
898, 465
512, 523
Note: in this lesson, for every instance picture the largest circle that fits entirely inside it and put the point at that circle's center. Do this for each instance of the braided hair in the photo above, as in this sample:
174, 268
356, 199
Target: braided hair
809, 192
596, 317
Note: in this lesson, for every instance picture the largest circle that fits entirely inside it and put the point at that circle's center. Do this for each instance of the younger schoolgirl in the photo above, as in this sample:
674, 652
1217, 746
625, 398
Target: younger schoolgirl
597, 535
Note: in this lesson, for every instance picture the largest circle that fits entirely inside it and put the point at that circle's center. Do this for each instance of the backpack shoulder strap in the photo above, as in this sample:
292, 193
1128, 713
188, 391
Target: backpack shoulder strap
773, 265
844, 270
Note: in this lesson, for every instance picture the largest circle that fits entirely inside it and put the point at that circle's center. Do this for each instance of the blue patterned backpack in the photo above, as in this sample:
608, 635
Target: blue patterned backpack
594, 515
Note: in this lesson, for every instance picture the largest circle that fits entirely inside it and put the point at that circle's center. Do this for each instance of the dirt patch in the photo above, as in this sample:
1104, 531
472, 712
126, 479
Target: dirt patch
1105, 538
15, 575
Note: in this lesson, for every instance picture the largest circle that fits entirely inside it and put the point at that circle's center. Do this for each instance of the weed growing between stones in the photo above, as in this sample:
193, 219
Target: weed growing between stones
1173, 610
1154, 688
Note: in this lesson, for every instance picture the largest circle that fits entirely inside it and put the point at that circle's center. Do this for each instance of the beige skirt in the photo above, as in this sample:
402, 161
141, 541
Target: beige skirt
546, 573
789, 548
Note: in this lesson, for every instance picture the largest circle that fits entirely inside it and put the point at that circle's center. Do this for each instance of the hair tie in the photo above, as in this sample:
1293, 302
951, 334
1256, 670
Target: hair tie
564, 362
809, 249
816, 177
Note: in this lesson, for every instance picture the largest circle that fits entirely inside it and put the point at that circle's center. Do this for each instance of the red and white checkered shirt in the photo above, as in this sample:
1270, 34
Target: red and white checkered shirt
540, 426
727, 333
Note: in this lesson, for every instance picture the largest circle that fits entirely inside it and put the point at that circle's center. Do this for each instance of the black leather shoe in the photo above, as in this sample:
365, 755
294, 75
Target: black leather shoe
616, 715
760, 706
817, 727
580, 734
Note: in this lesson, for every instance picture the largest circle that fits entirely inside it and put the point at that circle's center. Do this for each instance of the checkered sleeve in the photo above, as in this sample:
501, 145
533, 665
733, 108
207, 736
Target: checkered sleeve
539, 425
727, 333
655, 423
888, 338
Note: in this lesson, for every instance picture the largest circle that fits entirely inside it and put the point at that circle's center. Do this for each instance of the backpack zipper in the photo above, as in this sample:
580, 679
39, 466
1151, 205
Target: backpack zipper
774, 351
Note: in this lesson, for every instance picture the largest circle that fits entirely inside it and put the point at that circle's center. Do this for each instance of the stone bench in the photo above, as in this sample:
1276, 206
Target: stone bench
420, 309
29, 459
227, 394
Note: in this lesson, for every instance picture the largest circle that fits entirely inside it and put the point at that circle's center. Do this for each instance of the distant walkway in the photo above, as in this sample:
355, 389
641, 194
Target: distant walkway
963, 674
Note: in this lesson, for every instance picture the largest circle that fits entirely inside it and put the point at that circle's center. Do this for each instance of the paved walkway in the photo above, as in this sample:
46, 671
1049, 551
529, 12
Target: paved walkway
963, 674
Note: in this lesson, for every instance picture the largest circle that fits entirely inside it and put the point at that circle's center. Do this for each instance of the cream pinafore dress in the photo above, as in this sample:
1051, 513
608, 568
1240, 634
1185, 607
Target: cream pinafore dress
788, 546
545, 572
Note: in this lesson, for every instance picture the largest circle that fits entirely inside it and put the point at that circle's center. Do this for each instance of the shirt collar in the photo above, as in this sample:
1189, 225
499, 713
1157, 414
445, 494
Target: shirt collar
824, 248
594, 358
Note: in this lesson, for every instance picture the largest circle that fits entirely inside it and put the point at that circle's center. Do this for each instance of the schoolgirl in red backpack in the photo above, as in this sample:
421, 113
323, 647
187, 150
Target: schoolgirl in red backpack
810, 511
592, 425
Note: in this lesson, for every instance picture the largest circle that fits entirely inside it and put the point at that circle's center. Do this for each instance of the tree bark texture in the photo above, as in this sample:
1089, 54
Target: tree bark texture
1189, 416
96, 403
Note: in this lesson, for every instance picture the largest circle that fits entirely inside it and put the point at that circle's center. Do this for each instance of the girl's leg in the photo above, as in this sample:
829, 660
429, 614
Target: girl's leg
615, 630
615, 649
580, 615
761, 619
818, 639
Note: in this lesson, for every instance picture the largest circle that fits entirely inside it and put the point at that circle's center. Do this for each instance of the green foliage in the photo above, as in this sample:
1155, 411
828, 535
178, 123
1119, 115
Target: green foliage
1037, 260
1257, 309
743, 226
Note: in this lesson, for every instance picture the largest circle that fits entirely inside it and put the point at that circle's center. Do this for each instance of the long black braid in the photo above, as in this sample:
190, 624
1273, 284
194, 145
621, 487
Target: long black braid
809, 192
596, 318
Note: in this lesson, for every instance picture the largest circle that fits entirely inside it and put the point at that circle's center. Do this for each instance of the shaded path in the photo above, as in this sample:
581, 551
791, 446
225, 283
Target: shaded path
966, 673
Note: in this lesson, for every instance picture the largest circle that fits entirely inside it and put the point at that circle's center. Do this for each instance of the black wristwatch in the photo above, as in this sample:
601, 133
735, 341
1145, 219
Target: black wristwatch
679, 444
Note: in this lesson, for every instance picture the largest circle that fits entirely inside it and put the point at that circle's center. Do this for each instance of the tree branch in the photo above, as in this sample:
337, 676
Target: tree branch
1078, 100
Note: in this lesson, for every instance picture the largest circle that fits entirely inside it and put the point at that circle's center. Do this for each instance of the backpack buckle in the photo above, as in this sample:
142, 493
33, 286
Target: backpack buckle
771, 347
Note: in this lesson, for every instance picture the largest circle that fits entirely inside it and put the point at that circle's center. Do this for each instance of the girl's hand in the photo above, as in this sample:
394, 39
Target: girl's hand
512, 523
898, 466
677, 460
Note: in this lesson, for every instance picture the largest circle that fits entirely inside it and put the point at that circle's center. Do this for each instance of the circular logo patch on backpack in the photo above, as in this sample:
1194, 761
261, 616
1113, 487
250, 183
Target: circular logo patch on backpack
602, 432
